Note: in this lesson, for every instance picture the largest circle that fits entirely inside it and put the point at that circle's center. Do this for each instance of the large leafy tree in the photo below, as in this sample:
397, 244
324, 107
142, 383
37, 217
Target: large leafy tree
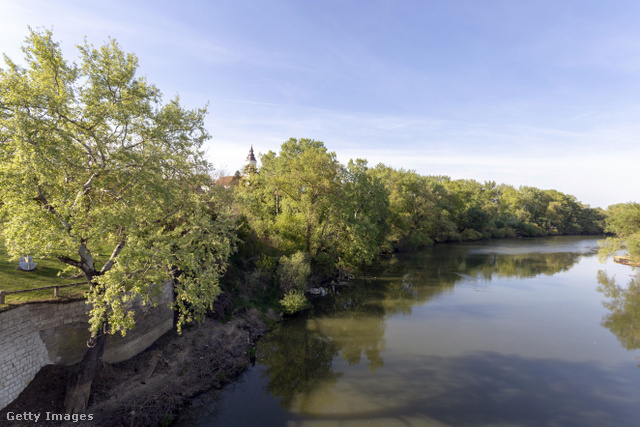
294, 199
623, 220
364, 209
303, 199
97, 172
419, 208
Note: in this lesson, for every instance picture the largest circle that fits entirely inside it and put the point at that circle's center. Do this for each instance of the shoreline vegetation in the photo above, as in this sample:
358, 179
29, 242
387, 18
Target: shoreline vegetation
204, 357
147, 210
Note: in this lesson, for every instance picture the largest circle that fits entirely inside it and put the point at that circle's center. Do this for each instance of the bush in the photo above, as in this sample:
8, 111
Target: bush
449, 236
528, 229
469, 234
294, 301
418, 240
293, 272
509, 232
498, 233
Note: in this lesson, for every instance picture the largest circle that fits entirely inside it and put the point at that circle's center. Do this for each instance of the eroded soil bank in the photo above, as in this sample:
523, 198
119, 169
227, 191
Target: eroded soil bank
148, 389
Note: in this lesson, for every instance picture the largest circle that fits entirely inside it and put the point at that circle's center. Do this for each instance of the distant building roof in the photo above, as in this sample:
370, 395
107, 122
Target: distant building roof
228, 181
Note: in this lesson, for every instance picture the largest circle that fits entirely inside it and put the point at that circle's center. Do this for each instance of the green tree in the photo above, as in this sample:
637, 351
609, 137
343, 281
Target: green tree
591, 220
364, 208
419, 208
304, 176
90, 159
303, 199
293, 272
623, 220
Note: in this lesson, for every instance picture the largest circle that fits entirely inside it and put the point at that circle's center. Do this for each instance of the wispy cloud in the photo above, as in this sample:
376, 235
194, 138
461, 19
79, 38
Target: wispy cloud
513, 94
577, 162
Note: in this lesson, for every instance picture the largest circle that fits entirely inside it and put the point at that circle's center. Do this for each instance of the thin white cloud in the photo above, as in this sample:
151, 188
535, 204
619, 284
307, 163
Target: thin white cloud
544, 107
578, 163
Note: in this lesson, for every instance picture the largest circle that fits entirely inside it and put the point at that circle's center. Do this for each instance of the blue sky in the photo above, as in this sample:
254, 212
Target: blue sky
540, 93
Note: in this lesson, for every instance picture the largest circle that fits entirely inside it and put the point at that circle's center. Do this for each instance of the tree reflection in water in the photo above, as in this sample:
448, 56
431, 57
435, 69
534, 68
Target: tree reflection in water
299, 356
624, 306
298, 361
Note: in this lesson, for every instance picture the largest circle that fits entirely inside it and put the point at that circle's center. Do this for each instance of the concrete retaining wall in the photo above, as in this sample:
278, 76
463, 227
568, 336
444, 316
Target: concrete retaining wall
35, 335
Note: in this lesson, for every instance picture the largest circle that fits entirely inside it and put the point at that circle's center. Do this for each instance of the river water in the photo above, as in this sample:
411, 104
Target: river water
523, 332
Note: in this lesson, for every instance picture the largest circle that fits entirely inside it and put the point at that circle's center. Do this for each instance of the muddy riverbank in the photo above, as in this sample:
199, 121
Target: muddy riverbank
151, 387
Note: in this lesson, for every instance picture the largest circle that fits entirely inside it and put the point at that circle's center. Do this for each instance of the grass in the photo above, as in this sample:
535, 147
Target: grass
45, 274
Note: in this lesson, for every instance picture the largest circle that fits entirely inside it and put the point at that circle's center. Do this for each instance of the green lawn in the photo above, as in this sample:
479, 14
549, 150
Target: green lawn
45, 274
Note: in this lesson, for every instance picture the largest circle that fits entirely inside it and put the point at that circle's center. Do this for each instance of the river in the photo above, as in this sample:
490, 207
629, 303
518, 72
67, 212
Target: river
521, 332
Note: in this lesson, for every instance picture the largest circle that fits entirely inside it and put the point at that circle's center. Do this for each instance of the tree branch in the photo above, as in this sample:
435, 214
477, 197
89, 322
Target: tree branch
112, 258
70, 261
45, 204
325, 224
85, 189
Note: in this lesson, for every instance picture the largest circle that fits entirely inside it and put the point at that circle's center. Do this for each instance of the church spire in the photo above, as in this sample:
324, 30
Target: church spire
251, 159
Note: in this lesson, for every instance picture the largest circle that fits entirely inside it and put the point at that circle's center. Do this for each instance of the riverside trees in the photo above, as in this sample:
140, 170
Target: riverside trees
304, 200
623, 220
92, 161
306, 204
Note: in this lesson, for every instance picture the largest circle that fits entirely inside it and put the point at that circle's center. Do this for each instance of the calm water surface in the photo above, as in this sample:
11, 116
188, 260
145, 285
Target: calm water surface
528, 332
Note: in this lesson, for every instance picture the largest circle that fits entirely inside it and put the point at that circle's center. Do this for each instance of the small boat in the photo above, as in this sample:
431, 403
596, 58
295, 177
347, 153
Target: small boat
625, 260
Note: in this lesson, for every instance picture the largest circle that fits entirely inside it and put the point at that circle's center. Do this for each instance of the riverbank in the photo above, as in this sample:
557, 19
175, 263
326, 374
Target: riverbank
205, 356
151, 387
503, 332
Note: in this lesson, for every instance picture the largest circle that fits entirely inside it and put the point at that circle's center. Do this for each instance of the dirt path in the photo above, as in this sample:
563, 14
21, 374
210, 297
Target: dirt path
149, 388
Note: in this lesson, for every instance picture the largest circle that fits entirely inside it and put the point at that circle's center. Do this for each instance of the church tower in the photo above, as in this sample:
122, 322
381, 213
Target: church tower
251, 159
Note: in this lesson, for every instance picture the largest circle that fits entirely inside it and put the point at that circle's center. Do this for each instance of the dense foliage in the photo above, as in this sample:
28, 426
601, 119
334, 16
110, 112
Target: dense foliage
91, 160
302, 200
623, 221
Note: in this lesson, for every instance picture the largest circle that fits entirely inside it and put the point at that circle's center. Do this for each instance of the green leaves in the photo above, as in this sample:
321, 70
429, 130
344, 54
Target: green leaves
90, 159
303, 199
623, 220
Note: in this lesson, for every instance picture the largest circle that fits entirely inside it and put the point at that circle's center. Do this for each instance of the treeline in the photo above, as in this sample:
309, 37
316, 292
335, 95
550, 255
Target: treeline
312, 214
623, 222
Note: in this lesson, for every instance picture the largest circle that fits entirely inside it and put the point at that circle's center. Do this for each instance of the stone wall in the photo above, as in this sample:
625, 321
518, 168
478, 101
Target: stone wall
35, 335
22, 353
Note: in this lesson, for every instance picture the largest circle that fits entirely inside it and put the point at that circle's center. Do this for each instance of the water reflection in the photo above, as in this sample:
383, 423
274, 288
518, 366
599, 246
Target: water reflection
413, 279
302, 358
489, 389
624, 306
355, 336
298, 361
299, 357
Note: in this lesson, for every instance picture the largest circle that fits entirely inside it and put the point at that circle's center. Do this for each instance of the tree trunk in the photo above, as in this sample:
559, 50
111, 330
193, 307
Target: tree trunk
80, 379
79, 382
